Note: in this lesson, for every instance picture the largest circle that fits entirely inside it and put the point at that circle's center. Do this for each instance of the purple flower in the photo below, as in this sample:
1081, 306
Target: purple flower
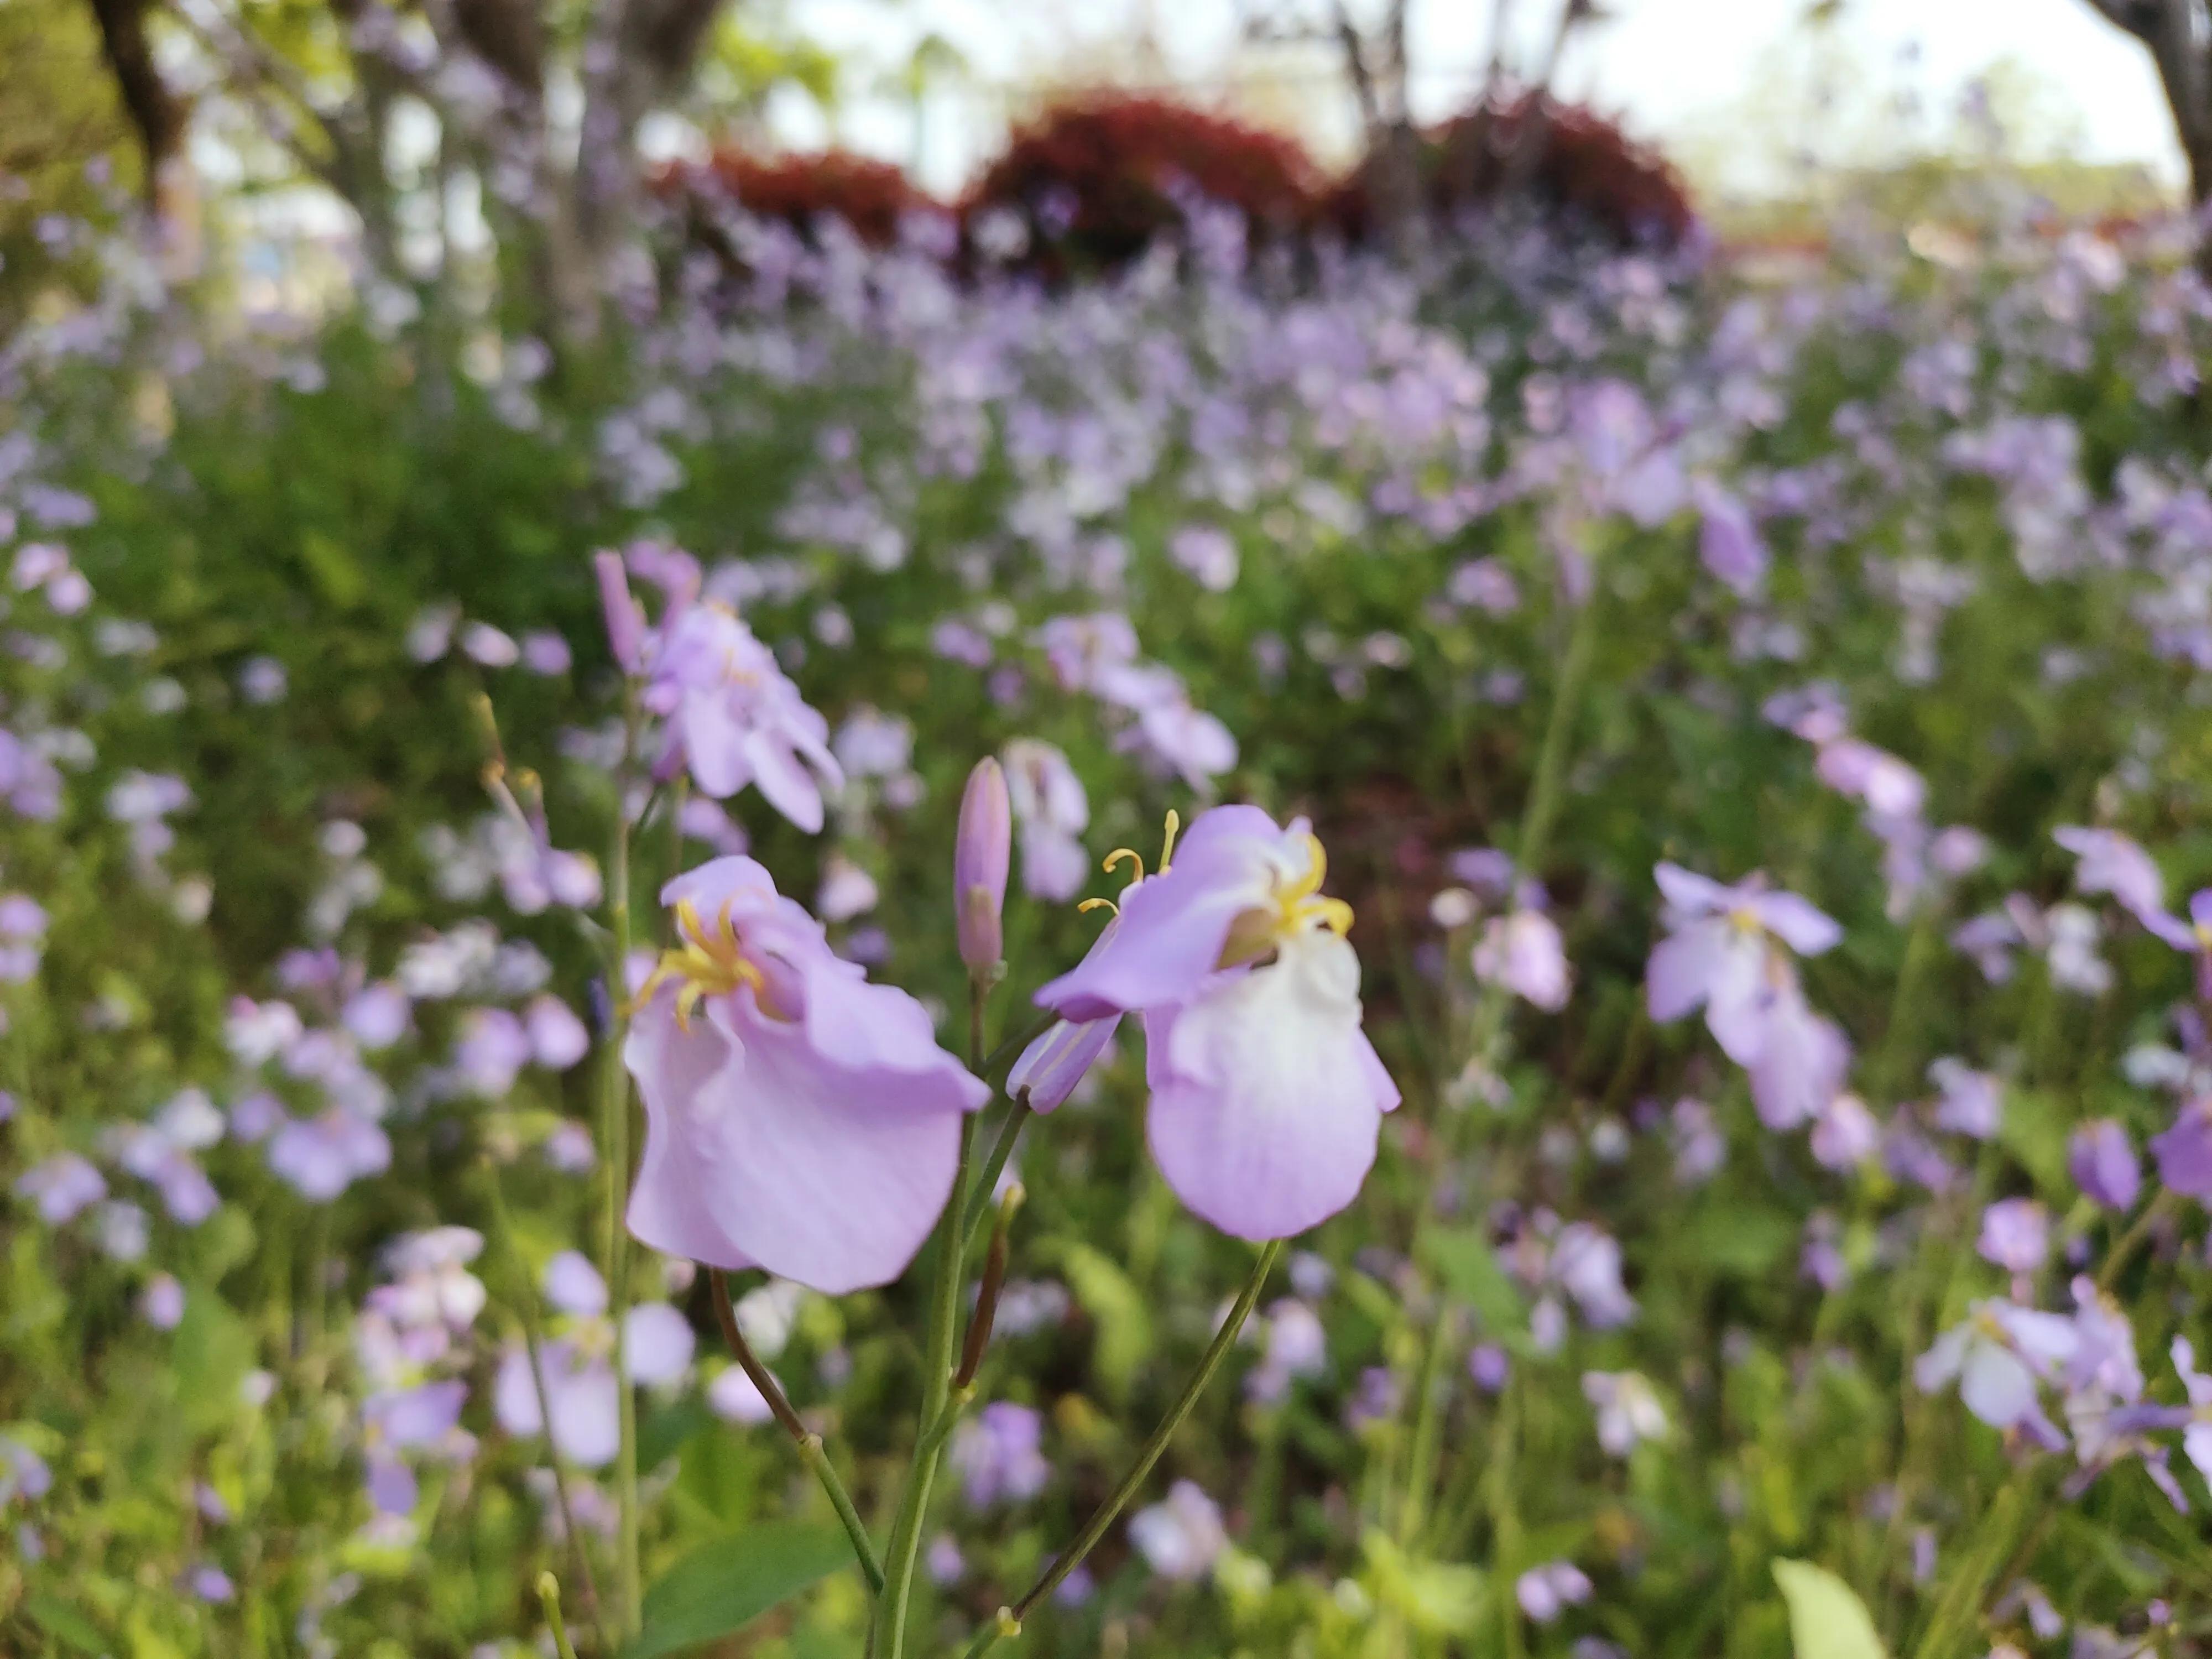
1972, 1102
319, 1157
980, 858
799, 1118
2015, 1235
1844, 1132
735, 718
1055, 1062
1296, 1345
2197, 1439
163, 1302
492, 1049
377, 1014
625, 620
1489, 1366
1627, 1410
1586, 1264
1522, 952
1546, 1591
1729, 545
557, 1037
997, 1454
1997, 1357
1049, 805
1801, 1059
1717, 954
61, 1186
2185, 1151
2111, 863
2101, 1159
1180, 1536
1267, 1099
737, 1398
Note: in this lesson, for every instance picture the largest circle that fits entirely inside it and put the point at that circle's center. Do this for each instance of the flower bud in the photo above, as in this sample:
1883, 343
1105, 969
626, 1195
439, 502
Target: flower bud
625, 621
980, 859
1051, 1066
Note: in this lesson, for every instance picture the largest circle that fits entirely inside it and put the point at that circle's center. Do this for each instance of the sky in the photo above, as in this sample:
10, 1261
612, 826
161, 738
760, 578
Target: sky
1687, 73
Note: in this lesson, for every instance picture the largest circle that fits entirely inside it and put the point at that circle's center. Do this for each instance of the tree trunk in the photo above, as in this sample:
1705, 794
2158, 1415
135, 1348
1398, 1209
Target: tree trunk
155, 114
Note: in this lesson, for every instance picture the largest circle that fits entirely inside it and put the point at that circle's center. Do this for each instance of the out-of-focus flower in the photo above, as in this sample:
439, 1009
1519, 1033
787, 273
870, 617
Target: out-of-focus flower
1998, 1356
2015, 1235
1267, 1098
1971, 1102
1844, 1132
733, 717
1295, 1345
2185, 1151
61, 1186
2111, 863
1180, 1536
1546, 1591
2101, 1159
1049, 804
1522, 952
799, 1118
998, 1455
1628, 1411
163, 1302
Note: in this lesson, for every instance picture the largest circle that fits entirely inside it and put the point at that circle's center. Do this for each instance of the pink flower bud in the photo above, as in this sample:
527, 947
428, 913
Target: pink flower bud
625, 621
979, 864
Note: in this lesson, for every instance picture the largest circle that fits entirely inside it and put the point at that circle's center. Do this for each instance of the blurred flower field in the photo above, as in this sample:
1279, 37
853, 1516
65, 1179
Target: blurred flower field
1732, 768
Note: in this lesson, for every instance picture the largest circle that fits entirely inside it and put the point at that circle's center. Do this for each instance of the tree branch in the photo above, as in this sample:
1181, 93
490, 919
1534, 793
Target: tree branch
157, 114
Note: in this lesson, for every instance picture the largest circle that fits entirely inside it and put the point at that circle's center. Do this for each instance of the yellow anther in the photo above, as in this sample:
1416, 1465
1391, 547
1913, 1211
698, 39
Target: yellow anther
1090, 904
1120, 852
708, 964
1745, 920
1167, 843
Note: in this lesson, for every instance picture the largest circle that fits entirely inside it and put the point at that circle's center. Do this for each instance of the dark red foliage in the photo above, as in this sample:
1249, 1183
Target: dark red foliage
870, 196
1562, 157
1095, 181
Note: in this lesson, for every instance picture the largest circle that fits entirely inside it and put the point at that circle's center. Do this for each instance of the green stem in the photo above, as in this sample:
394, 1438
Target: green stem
811, 1452
887, 1635
614, 1135
1959, 1607
1010, 1619
549, 1596
994, 1166
533, 1344
2123, 1249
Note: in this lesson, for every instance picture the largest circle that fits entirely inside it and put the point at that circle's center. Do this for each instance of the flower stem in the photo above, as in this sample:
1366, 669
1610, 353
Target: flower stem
887, 1635
811, 1452
614, 1138
994, 1166
1008, 1621
549, 1597
526, 1310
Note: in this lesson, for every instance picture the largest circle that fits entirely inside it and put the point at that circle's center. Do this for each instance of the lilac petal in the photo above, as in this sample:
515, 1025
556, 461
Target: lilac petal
1684, 967
392, 1488
1266, 1110
1797, 922
1691, 893
1169, 935
1801, 1065
1051, 1065
760, 1152
1996, 1386
787, 786
657, 1344
587, 1413
573, 1284
1944, 1360
880, 1028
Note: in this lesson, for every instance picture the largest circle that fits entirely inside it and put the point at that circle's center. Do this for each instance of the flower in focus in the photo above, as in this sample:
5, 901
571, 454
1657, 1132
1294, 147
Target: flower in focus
1267, 1098
799, 1118
1180, 1536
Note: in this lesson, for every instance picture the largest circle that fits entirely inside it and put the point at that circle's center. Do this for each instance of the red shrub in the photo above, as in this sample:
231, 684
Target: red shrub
870, 196
1095, 180
1565, 157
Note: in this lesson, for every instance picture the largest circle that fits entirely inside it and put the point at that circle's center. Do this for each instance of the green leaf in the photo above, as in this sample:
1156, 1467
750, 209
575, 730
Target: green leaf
1464, 1257
665, 1431
333, 570
1738, 1240
212, 1354
65, 1623
1828, 1620
722, 1587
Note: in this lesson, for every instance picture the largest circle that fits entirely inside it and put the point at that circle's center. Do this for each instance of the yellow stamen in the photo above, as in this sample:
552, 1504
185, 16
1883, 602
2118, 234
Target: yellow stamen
1167, 845
708, 964
1090, 904
1120, 852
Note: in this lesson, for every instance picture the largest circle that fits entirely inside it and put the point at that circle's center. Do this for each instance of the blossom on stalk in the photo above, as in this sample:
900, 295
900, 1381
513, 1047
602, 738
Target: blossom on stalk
1522, 951
1267, 1098
1720, 953
2185, 1151
998, 1455
799, 1118
1999, 1355
1628, 1411
2101, 1159
732, 716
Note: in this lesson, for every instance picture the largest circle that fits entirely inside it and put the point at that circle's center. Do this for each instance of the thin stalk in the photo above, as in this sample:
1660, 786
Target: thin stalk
533, 1344
1009, 1620
811, 1452
549, 1596
887, 1635
2123, 1249
994, 1166
1959, 1609
614, 1134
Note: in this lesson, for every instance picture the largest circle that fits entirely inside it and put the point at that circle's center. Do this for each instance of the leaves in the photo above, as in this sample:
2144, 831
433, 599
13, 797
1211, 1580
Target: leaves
1828, 1620
724, 1586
